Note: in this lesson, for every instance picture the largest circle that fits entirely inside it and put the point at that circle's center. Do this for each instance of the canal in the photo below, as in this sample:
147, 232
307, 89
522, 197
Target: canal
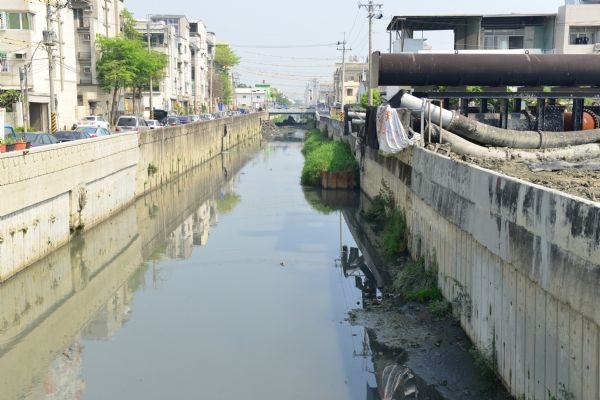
225, 284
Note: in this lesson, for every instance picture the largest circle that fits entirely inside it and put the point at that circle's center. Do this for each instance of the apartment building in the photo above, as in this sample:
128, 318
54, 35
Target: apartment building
180, 61
578, 27
24, 61
91, 18
354, 71
200, 58
163, 39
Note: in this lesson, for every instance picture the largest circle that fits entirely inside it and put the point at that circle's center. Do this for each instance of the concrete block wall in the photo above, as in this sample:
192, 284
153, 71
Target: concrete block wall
520, 261
51, 191
48, 191
165, 153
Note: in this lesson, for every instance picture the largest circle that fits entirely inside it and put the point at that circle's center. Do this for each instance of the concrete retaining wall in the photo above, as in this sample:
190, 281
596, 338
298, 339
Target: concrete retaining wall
521, 262
51, 191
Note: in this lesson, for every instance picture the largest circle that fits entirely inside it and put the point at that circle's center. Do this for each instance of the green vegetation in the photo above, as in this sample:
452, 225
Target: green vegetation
394, 234
439, 308
563, 393
311, 195
486, 361
8, 98
417, 283
323, 155
384, 216
225, 59
364, 98
125, 62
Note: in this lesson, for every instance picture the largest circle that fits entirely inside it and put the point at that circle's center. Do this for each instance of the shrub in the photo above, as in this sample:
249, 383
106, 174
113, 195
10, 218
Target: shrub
417, 283
324, 155
394, 234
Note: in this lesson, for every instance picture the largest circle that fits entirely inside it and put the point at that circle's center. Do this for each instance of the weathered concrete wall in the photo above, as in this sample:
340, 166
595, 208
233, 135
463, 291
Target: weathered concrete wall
50, 191
165, 153
334, 127
47, 191
46, 307
523, 260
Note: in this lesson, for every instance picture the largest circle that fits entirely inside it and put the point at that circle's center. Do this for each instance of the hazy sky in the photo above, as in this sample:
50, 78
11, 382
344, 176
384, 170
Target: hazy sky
287, 43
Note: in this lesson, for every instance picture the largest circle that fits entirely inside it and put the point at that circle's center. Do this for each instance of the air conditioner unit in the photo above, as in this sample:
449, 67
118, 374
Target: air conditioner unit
596, 47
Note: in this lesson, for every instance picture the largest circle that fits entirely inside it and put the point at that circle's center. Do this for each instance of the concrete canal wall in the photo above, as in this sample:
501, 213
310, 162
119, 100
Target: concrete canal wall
521, 263
46, 309
49, 192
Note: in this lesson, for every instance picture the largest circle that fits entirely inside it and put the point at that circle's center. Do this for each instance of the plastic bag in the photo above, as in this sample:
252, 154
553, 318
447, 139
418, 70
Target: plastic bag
391, 135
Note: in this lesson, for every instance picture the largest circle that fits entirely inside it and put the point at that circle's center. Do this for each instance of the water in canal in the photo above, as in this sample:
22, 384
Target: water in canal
223, 285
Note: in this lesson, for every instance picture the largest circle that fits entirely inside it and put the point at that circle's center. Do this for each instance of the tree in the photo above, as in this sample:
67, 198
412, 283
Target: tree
225, 59
8, 98
364, 98
125, 62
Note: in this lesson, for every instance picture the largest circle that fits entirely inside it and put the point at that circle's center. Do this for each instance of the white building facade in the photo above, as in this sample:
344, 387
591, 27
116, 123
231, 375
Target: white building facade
22, 48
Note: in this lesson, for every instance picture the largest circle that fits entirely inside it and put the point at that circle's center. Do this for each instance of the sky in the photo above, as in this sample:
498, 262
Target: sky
289, 43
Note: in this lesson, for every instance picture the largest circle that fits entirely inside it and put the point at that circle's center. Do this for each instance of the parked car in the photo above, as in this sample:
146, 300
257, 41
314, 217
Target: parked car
152, 123
194, 118
93, 120
206, 117
184, 119
130, 123
40, 139
171, 121
94, 131
68, 136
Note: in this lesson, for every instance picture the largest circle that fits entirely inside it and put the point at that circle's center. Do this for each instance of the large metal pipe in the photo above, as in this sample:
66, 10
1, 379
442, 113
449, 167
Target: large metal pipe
485, 69
494, 136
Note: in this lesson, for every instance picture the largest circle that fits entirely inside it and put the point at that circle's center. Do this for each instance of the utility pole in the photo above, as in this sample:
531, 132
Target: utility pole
50, 42
370, 6
343, 49
151, 91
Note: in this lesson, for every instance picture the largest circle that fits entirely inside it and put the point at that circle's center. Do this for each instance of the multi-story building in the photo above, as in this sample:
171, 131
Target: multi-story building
24, 48
162, 39
180, 61
354, 72
91, 18
251, 98
200, 57
578, 27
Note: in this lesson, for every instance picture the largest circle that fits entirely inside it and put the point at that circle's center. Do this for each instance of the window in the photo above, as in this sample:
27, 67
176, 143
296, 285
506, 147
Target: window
4, 62
15, 20
349, 92
502, 39
86, 37
87, 69
79, 99
584, 34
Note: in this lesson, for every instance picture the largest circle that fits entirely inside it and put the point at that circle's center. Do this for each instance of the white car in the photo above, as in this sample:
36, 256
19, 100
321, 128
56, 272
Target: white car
93, 120
130, 123
152, 123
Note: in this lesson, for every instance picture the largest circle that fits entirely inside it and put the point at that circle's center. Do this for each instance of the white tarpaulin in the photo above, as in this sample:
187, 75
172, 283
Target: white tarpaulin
391, 135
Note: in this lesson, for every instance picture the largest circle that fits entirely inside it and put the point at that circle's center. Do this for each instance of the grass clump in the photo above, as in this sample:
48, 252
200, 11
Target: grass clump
394, 234
417, 283
439, 308
323, 155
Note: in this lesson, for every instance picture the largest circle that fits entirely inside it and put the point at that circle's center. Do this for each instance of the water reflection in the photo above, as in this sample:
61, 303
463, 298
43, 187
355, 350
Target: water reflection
84, 291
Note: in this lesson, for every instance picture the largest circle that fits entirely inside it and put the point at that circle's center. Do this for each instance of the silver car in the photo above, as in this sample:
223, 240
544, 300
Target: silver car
130, 123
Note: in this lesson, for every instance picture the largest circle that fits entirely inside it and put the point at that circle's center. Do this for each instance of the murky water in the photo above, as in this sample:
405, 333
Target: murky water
223, 285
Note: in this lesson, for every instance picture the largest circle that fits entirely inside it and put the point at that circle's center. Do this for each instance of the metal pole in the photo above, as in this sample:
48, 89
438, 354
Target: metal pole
370, 49
151, 85
49, 49
26, 99
343, 49
370, 9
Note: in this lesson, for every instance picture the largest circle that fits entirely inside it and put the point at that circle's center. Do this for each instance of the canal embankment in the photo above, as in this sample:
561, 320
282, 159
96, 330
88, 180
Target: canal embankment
524, 259
83, 288
49, 193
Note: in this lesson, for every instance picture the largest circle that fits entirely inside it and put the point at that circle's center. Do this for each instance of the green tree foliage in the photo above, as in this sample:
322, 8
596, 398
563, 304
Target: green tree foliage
8, 98
364, 98
126, 62
279, 97
225, 59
